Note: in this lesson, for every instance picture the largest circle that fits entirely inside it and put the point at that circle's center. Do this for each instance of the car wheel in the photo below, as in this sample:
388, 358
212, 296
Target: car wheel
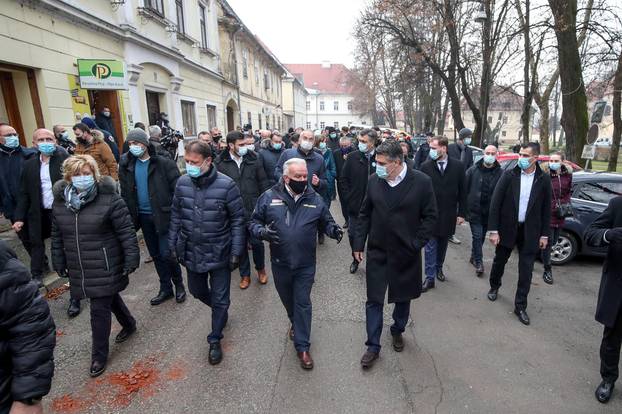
565, 249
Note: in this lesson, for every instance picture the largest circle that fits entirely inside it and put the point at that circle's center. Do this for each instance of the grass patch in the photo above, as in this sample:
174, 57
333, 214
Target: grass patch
602, 166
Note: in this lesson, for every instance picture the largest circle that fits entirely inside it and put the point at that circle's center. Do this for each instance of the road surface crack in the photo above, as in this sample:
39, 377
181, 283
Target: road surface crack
278, 373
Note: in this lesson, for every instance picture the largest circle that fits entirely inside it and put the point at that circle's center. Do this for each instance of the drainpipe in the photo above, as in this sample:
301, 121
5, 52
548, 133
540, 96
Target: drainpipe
237, 76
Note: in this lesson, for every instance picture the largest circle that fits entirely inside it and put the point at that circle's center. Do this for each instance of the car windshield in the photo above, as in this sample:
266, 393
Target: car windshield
599, 192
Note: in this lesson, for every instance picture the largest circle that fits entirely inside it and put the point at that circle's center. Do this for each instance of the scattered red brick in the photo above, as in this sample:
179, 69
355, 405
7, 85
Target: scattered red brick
56, 292
68, 404
59, 333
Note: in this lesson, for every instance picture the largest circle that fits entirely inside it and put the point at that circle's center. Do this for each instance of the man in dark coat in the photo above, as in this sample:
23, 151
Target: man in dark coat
289, 216
245, 168
606, 230
34, 206
481, 180
27, 338
12, 158
358, 167
397, 219
270, 156
314, 160
448, 180
333, 139
147, 185
460, 150
520, 215
340, 155
207, 234
423, 152
104, 120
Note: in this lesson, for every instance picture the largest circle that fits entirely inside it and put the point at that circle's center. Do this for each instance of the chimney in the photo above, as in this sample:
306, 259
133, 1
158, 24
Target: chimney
326, 64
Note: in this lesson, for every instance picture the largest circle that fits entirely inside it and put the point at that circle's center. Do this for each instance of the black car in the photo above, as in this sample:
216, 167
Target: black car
591, 192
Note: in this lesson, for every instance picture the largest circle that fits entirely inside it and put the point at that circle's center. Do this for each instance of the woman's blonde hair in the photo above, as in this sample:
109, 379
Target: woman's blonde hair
98, 135
74, 164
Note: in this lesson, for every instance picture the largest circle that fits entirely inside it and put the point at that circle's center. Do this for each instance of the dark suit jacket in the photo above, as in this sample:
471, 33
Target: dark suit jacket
503, 216
340, 161
355, 174
610, 294
450, 192
30, 203
464, 154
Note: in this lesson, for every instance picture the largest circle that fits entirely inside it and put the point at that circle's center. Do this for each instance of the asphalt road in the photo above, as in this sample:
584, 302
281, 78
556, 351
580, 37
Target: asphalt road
463, 353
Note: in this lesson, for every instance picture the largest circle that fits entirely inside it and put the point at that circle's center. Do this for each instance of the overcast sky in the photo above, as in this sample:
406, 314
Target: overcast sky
299, 31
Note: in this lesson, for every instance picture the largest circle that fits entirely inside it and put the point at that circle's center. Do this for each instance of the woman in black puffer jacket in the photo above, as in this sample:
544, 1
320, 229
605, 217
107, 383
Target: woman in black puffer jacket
94, 243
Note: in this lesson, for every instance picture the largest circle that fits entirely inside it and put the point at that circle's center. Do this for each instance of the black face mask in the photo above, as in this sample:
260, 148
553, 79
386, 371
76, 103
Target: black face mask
82, 140
298, 187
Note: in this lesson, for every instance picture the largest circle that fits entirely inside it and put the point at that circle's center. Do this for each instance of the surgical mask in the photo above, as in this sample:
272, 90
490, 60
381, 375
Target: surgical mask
381, 171
434, 154
106, 113
554, 166
242, 151
467, 141
333, 135
524, 163
250, 147
83, 182
489, 159
11, 141
322, 145
306, 145
64, 135
297, 187
277, 146
362, 147
46, 148
137, 150
193, 170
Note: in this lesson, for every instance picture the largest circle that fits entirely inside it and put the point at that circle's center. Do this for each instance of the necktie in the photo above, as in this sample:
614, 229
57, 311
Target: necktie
442, 167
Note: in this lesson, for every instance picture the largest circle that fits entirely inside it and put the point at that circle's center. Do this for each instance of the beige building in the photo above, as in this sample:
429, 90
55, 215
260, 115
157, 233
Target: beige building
294, 102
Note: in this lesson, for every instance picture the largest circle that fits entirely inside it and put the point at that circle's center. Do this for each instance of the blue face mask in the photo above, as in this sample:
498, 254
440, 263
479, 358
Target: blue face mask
250, 147
11, 141
467, 141
554, 166
362, 147
489, 159
193, 170
277, 146
46, 148
83, 182
524, 163
64, 135
381, 171
434, 154
333, 135
242, 151
137, 150
322, 145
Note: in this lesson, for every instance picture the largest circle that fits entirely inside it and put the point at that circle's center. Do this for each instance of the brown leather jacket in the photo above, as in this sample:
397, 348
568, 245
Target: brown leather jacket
102, 154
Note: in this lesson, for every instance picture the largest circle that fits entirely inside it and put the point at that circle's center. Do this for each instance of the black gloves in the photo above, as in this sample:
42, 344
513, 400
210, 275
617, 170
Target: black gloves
337, 234
614, 236
269, 234
234, 263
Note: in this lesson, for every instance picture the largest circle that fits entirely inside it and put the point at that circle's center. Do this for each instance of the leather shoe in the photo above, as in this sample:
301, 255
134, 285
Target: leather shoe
472, 261
97, 368
245, 282
479, 269
522, 316
454, 240
215, 353
397, 342
369, 359
492, 294
306, 362
345, 225
604, 391
320, 239
548, 277
180, 294
290, 333
354, 266
74, 308
441, 276
427, 285
262, 276
161, 298
125, 334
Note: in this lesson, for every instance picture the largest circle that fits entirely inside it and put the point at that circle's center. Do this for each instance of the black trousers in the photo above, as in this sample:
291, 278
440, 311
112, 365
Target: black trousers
610, 351
525, 268
343, 204
38, 259
101, 319
352, 227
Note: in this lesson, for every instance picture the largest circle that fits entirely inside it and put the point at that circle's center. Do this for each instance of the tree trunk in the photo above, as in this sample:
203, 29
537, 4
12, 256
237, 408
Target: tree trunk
617, 117
544, 127
575, 113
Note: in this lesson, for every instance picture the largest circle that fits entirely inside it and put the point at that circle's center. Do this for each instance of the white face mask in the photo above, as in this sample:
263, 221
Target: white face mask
306, 145
106, 113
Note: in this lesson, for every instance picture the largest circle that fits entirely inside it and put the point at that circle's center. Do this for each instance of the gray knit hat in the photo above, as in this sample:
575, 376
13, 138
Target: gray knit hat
138, 135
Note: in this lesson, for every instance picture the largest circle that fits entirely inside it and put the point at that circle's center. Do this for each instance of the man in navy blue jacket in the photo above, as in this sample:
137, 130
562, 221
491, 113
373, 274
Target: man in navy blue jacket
289, 216
315, 161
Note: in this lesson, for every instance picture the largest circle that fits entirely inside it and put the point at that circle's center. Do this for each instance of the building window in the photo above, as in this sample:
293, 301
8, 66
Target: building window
155, 6
259, 119
322, 125
179, 6
249, 118
336, 125
349, 105
500, 116
266, 79
336, 105
273, 121
256, 74
280, 123
489, 120
188, 118
245, 63
308, 125
503, 133
321, 105
203, 24
211, 116
308, 105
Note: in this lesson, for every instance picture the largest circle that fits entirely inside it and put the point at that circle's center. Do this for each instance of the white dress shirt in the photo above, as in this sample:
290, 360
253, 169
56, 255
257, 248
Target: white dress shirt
238, 160
400, 176
46, 184
526, 182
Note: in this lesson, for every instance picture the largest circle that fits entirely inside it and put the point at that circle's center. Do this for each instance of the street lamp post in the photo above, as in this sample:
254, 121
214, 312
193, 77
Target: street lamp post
483, 17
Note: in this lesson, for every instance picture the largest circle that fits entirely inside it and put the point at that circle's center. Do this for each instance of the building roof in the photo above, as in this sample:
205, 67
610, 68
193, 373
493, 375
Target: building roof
502, 98
324, 77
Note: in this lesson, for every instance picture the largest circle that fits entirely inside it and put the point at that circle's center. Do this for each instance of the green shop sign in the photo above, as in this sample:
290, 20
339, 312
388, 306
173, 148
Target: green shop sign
102, 74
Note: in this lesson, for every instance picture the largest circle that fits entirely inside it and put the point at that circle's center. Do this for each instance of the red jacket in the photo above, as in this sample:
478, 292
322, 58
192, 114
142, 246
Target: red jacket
561, 183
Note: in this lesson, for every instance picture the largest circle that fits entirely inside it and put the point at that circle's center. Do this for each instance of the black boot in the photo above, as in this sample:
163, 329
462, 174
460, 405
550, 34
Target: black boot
548, 277
74, 308
162, 297
354, 266
180, 293
215, 353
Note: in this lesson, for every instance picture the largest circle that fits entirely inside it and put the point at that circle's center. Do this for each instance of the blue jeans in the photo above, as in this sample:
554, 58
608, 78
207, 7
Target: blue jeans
294, 289
435, 251
259, 252
157, 244
212, 288
374, 321
478, 234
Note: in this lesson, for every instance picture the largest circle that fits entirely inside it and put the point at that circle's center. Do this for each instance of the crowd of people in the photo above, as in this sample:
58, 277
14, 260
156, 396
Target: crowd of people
235, 193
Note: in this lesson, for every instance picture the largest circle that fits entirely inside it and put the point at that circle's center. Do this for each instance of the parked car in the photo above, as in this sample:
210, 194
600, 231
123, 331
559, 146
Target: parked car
591, 192
508, 160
